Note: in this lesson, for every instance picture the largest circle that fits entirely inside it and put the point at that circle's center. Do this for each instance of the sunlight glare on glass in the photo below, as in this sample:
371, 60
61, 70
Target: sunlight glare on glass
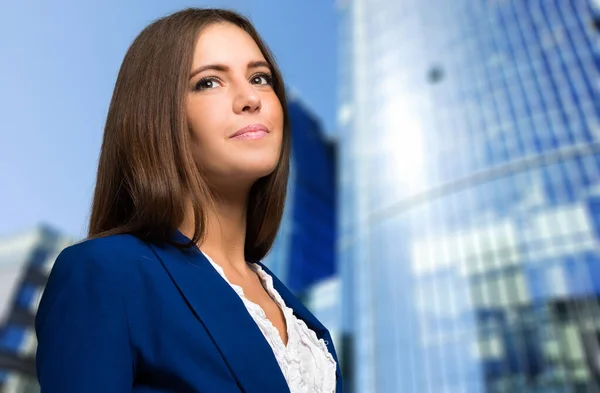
404, 144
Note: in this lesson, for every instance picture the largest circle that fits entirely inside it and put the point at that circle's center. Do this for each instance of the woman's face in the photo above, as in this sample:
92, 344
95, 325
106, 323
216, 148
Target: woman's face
234, 115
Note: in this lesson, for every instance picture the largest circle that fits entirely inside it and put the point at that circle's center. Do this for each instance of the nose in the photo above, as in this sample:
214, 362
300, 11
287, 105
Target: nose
246, 100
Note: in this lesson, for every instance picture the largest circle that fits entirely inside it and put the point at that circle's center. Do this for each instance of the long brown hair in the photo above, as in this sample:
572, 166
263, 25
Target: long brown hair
146, 172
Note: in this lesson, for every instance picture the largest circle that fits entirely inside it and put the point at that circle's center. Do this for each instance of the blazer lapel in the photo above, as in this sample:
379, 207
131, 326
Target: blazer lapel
217, 306
311, 321
299, 309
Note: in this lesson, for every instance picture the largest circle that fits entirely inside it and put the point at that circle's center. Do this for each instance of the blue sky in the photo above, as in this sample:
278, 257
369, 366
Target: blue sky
59, 64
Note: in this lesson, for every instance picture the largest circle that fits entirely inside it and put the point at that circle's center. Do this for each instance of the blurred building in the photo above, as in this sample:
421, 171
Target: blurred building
470, 195
304, 254
25, 262
324, 301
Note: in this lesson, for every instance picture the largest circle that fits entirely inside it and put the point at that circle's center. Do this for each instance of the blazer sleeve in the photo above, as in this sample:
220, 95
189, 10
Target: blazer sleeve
82, 327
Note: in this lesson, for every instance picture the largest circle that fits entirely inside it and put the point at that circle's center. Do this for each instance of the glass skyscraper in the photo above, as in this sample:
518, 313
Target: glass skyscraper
469, 241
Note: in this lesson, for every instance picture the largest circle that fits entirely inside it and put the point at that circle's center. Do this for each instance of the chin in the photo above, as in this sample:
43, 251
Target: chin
244, 167
257, 171
257, 164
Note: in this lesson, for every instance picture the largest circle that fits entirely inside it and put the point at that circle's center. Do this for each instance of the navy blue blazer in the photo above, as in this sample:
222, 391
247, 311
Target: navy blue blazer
120, 315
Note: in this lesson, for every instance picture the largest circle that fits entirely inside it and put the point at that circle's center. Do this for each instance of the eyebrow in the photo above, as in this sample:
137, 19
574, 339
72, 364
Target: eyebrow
224, 68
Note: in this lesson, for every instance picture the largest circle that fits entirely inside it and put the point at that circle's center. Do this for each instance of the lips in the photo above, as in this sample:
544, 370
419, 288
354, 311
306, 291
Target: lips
250, 130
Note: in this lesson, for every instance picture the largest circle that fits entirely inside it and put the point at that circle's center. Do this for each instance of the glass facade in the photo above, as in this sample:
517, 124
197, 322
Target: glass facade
25, 262
469, 195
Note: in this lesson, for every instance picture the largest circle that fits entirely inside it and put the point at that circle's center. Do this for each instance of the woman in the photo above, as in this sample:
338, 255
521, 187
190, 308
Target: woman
168, 294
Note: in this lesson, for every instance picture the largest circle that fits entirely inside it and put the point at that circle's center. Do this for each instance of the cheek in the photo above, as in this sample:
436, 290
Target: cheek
205, 123
276, 112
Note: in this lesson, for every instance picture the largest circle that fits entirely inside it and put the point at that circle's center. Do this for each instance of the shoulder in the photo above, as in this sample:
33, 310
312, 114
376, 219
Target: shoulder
110, 254
109, 246
92, 273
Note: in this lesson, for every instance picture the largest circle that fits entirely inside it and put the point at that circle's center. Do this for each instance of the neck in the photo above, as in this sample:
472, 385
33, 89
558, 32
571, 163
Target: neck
225, 233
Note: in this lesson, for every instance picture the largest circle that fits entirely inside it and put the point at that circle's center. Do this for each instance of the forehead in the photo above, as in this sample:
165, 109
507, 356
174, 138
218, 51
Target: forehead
227, 44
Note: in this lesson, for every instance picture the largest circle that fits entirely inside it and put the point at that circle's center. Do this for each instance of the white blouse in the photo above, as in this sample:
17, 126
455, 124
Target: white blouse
306, 363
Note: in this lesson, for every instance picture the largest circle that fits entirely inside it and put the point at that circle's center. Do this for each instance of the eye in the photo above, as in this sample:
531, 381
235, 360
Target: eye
206, 84
262, 79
